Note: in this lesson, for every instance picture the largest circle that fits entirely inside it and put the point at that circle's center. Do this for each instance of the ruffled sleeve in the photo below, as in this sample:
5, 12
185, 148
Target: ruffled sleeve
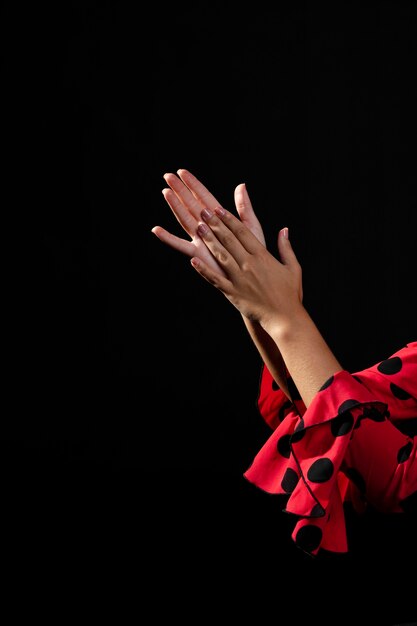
303, 457
273, 404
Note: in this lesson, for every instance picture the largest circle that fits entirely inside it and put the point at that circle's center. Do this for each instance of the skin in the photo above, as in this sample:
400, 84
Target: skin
229, 252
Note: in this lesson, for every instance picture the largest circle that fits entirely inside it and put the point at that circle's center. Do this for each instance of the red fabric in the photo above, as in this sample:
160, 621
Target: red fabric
350, 444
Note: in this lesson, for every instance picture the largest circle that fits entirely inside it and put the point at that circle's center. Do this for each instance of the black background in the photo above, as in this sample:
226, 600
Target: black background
133, 383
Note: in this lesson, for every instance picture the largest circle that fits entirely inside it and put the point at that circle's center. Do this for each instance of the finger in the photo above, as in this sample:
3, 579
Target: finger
222, 242
286, 251
214, 278
226, 258
242, 202
246, 213
186, 247
199, 191
232, 233
184, 195
183, 215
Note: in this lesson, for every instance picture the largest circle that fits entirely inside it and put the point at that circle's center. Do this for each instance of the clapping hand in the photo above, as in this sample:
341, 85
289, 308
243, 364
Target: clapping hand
187, 197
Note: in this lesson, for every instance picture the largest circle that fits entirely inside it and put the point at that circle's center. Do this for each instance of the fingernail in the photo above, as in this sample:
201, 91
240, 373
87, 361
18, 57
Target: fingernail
285, 233
206, 214
202, 229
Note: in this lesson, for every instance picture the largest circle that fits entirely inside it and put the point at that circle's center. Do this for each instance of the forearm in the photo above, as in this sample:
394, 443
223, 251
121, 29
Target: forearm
269, 353
308, 358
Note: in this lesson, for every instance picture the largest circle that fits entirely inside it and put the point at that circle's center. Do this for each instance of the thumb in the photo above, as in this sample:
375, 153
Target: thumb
246, 213
285, 250
243, 204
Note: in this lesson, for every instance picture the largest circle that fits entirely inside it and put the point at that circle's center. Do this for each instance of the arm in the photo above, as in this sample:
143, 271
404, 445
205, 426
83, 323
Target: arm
266, 291
306, 354
187, 196
269, 353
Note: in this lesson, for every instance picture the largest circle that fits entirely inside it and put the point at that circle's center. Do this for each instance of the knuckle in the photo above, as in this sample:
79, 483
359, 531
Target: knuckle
228, 240
222, 257
240, 231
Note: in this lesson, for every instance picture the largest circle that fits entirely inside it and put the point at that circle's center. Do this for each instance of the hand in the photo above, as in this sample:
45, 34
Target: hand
260, 286
187, 196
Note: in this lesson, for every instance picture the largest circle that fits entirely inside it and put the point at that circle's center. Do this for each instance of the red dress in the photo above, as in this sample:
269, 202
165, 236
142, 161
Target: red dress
356, 442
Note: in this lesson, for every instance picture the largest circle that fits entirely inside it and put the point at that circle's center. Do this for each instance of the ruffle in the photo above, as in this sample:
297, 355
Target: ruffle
303, 457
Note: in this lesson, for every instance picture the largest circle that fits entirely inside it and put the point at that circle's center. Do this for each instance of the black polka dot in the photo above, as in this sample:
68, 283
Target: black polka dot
374, 414
308, 538
390, 366
358, 421
347, 405
293, 391
317, 511
299, 432
282, 412
275, 386
320, 471
404, 452
327, 383
289, 481
342, 424
408, 427
283, 446
357, 478
399, 393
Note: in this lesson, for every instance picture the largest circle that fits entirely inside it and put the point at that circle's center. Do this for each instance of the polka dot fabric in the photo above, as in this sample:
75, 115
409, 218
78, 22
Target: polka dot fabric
356, 441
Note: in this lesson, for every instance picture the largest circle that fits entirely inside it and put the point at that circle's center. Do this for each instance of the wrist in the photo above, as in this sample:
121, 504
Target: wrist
285, 328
